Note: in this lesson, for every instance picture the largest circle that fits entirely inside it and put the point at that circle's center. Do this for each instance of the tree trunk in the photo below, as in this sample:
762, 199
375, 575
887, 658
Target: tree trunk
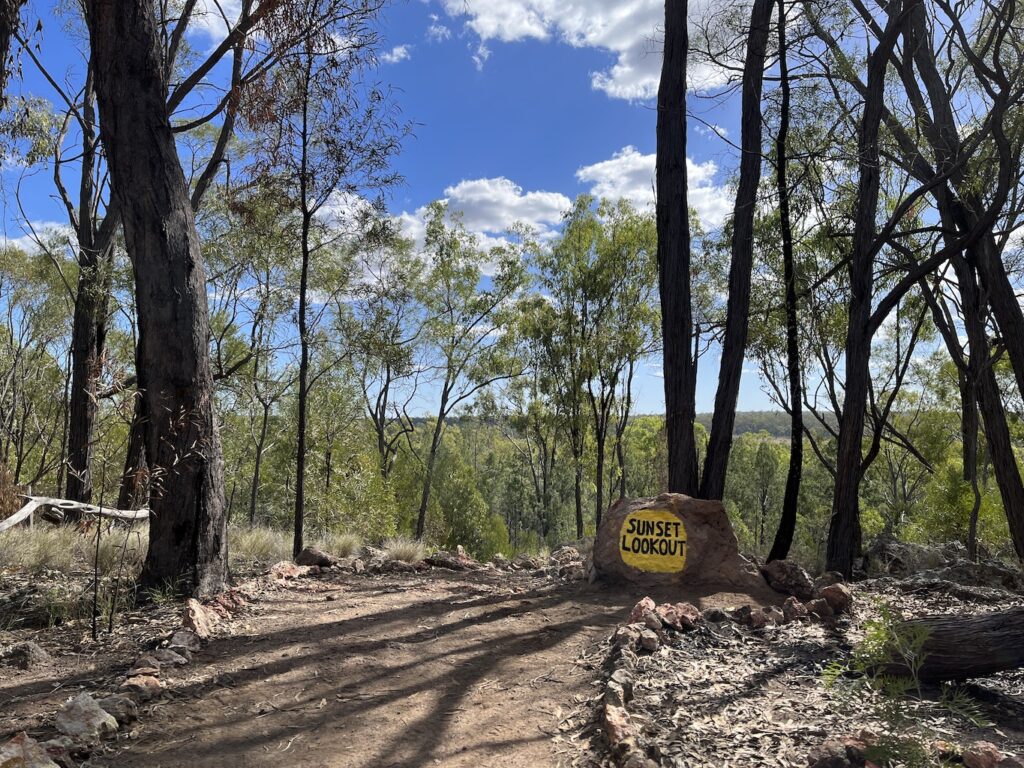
300, 442
600, 439
844, 533
578, 495
188, 536
9, 19
673, 224
88, 334
964, 647
254, 490
428, 479
134, 490
734, 342
787, 521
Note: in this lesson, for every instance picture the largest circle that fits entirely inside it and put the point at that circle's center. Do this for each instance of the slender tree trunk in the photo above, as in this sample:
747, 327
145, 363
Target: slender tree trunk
307, 221
734, 342
88, 335
672, 213
134, 490
188, 537
620, 427
844, 534
300, 442
787, 522
428, 478
600, 439
578, 493
257, 469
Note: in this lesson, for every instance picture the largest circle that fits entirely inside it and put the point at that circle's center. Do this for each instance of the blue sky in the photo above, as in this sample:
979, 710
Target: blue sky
545, 113
518, 106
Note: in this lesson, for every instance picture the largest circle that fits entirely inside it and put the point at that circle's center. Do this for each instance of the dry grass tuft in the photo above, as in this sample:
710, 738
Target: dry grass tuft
65, 549
405, 549
340, 544
257, 546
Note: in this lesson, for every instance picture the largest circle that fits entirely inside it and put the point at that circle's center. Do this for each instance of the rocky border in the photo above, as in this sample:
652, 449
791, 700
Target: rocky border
88, 720
650, 626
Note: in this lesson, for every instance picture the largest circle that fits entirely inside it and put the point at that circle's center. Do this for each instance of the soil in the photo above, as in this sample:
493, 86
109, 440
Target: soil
433, 669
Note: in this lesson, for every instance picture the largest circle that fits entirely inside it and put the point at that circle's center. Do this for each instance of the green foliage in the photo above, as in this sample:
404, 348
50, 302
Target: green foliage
896, 697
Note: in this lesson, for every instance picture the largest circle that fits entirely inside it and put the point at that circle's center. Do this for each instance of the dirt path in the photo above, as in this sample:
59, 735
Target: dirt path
441, 669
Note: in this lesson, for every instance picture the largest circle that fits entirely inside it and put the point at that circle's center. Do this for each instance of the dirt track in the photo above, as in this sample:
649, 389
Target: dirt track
440, 669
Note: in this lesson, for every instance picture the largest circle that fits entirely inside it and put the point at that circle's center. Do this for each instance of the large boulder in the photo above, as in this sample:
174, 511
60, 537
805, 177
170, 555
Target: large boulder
671, 539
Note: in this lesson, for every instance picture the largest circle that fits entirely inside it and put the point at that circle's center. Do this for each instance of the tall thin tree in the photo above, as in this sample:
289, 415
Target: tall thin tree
734, 342
787, 521
672, 212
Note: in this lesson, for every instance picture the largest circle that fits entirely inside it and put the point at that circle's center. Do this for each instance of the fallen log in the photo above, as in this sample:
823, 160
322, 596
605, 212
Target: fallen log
964, 647
35, 502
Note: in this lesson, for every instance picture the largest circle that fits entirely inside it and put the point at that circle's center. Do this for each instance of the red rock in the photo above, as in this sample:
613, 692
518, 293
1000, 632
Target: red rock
640, 610
793, 609
680, 616
199, 619
982, 754
314, 556
652, 620
142, 687
649, 640
145, 665
838, 596
617, 725
789, 578
819, 607
25, 752
286, 570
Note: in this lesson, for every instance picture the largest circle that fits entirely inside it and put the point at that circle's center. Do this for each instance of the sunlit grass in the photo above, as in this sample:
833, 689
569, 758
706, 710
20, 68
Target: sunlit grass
404, 548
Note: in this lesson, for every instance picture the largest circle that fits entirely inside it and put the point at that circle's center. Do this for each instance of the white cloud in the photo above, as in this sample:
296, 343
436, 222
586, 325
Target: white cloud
396, 54
437, 32
28, 241
489, 208
214, 19
629, 29
630, 174
481, 55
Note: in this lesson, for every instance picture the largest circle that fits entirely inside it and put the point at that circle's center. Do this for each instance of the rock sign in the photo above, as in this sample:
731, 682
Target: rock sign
671, 539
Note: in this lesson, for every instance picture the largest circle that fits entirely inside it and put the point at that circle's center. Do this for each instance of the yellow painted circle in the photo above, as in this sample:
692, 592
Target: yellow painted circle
653, 540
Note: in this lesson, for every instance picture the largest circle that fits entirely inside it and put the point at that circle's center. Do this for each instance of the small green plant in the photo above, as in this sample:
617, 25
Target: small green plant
884, 668
404, 548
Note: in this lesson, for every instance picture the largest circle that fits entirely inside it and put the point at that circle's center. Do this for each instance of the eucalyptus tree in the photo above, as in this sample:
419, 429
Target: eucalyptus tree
734, 338
882, 125
470, 321
188, 537
9, 19
385, 329
328, 136
674, 254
